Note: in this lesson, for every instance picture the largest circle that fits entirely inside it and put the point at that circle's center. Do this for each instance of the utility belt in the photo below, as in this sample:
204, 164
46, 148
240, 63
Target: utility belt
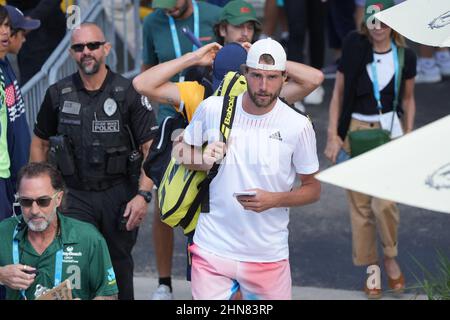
112, 165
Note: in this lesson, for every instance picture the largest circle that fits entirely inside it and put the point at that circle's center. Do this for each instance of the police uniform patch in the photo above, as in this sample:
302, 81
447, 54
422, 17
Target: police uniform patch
71, 107
105, 126
110, 107
66, 90
145, 103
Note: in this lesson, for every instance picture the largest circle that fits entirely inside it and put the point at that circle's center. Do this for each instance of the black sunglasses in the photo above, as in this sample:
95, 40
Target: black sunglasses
42, 202
79, 47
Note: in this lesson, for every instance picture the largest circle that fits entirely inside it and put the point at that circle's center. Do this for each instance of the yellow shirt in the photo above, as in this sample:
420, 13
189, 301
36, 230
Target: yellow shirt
191, 95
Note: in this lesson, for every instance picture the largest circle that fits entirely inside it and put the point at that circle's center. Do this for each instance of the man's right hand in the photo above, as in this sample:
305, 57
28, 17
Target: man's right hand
15, 276
334, 145
205, 55
214, 152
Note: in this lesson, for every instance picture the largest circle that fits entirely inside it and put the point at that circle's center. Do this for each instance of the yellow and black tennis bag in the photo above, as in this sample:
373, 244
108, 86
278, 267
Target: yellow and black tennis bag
183, 193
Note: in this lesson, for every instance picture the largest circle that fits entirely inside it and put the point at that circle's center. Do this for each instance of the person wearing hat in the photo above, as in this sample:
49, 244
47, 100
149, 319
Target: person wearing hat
97, 129
237, 23
242, 243
41, 42
156, 83
17, 134
19, 27
163, 40
372, 84
6, 187
18, 131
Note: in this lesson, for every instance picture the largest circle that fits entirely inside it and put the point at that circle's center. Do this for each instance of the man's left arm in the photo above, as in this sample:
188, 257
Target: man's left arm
136, 209
302, 81
307, 193
409, 105
143, 126
408, 100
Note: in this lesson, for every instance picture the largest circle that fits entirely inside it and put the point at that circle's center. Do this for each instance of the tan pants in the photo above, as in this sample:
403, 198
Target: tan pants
369, 214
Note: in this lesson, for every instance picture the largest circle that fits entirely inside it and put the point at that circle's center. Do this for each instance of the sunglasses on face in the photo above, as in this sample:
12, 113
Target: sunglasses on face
79, 47
42, 202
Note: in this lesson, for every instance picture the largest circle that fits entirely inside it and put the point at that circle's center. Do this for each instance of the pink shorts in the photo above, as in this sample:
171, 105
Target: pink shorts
218, 278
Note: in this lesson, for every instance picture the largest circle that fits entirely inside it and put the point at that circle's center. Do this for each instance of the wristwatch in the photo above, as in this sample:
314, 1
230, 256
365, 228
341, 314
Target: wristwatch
147, 195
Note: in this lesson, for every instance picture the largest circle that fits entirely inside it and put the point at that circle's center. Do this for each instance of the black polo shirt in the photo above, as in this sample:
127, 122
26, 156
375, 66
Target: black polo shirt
142, 117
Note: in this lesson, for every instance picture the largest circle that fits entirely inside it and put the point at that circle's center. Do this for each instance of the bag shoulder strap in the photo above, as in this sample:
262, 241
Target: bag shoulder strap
226, 122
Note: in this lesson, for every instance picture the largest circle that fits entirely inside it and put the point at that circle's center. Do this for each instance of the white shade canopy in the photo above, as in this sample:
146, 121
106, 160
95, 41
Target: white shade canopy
414, 169
423, 21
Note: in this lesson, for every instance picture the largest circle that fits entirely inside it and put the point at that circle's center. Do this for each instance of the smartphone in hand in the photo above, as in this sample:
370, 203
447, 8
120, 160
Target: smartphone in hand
245, 193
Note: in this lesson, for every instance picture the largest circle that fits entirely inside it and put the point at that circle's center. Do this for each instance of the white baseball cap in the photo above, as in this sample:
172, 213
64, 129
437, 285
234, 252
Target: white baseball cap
270, 47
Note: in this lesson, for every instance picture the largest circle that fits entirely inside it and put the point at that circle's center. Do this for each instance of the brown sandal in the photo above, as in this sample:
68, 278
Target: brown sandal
397, 285
372, 293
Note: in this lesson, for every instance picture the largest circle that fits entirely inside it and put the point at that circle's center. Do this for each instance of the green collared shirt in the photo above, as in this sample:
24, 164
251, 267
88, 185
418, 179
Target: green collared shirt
86, 260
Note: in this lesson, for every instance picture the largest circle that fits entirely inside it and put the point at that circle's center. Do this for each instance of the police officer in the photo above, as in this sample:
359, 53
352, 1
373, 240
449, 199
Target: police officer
97, 129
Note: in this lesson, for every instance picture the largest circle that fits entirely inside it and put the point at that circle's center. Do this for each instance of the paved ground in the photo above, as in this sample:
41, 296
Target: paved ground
320, 237
182, 291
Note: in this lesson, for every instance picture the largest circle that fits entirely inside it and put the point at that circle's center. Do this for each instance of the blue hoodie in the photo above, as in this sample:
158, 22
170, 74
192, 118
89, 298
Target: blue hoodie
18, 133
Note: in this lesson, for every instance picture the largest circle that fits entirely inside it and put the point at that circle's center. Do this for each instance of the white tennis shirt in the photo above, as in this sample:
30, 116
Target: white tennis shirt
265, 152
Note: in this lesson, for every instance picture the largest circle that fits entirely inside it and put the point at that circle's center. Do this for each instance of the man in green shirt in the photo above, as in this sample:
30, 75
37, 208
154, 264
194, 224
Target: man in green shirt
163, 40
42, 248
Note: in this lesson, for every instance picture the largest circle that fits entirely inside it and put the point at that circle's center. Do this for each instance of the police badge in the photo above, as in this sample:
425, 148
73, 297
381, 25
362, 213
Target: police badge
110, 107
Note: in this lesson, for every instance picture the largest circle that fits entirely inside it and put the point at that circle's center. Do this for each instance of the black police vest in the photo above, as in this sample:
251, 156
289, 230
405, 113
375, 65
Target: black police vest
97, 133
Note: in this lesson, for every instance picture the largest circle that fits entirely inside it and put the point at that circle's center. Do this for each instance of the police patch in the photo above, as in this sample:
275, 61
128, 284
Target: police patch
71, 107
145, 103
110, 107
105, 126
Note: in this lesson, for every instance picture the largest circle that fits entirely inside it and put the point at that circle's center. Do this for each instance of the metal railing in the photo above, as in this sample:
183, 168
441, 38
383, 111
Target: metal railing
124, 57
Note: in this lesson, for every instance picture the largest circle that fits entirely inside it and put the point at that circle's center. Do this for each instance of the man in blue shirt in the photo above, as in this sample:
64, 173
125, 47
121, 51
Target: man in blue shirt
13, 26
18, 130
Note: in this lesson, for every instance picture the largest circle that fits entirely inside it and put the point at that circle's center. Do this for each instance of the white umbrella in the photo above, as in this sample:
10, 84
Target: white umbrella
414, 169
422, 21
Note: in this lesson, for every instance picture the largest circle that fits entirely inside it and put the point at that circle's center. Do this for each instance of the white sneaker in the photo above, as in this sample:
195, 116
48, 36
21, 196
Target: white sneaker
443, 62
162, 293
315, 97
428, 71
299, 106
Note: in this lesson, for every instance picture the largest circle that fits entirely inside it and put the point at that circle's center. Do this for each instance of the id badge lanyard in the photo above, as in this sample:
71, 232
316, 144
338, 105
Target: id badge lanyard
58, 262
376, 87
176, 40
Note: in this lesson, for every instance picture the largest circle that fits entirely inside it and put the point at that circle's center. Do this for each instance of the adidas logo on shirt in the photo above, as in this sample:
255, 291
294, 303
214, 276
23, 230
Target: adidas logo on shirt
276, 136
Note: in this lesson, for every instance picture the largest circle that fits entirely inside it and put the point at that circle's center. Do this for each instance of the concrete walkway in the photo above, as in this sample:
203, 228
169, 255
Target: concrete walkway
144, 286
